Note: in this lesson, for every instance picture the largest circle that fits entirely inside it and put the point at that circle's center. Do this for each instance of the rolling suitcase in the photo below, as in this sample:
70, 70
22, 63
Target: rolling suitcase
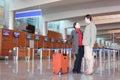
60, 63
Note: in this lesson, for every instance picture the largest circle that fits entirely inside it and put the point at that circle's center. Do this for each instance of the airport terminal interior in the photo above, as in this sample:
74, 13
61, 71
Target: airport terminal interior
33, 31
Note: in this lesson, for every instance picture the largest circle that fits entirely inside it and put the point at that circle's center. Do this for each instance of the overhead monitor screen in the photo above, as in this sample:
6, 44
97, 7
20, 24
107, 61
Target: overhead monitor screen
16, 34
37, 37
52, 40
28, 36
45, 39
58, 40
6, 32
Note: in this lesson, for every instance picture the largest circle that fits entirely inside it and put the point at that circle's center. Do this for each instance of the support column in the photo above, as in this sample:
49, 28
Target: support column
11, 20
43, 28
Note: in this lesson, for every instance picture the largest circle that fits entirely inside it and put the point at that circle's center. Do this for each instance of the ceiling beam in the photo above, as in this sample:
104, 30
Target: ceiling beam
108, 28
105, 19
108, 32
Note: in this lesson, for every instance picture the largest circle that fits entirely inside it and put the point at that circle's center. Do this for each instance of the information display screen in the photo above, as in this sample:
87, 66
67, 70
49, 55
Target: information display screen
28, 36
6, 32
16, 34
45, 39
52, 40
37, 37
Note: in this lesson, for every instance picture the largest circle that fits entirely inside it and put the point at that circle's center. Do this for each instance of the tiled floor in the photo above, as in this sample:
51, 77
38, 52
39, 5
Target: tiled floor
42, 70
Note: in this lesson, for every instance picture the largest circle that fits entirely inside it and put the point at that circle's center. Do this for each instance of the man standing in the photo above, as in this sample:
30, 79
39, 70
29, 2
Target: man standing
89, 39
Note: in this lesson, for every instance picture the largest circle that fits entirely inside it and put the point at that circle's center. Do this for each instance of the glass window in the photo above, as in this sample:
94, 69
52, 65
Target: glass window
32, 21
54, 26
69, 30
32, 17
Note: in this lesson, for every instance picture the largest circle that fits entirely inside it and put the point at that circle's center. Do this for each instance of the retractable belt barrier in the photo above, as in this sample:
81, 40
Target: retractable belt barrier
106, 55
56, 50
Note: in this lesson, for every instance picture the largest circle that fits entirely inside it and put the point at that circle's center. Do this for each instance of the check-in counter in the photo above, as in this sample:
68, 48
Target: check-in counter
22, 52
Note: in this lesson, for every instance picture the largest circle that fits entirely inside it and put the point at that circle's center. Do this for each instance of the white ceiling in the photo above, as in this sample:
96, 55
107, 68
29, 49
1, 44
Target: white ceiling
69, 5
66, 2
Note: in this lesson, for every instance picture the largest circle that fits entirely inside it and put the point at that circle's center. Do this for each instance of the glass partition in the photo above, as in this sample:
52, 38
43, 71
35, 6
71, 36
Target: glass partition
31, 17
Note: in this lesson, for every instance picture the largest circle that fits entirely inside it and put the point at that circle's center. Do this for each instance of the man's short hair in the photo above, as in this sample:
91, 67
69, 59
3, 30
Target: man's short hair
88, 16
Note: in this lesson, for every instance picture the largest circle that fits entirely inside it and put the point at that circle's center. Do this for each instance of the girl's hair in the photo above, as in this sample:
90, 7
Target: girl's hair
74, 24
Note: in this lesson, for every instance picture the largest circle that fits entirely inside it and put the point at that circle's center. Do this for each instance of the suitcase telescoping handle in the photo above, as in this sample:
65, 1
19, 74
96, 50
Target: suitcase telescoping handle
64, 51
